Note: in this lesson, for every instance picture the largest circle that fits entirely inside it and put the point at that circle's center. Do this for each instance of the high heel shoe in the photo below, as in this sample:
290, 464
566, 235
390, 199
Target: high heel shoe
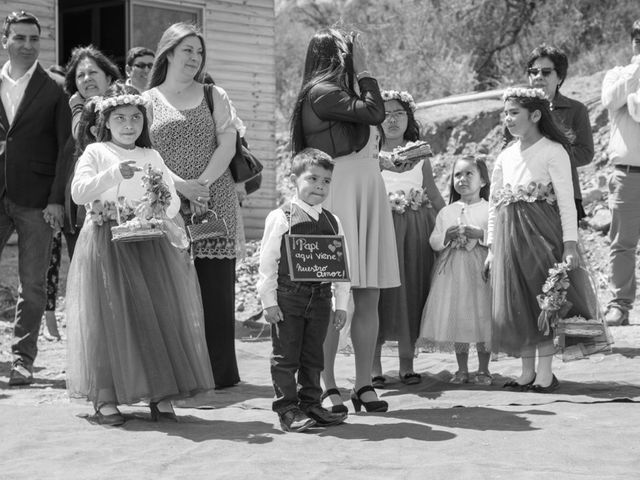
373, 406
334, 408
157, 415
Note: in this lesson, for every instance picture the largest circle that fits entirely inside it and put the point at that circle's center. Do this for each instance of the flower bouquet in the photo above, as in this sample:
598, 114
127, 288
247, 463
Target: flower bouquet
149, 220
553, 299
554, 305
412, 152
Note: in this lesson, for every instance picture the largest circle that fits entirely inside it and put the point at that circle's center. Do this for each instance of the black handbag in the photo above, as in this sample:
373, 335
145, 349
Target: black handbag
245, 167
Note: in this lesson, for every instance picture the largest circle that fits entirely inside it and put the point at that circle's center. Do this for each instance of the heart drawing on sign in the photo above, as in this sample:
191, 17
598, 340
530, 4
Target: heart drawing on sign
337, 243
339, 253
332, 248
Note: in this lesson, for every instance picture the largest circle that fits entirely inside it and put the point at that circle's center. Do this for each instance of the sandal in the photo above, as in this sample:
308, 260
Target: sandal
483, 378
410, 378
378, 382
460, 378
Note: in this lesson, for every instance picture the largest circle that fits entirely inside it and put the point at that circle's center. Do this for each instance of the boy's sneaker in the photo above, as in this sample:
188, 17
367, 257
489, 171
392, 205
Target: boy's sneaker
325, 418
295, 420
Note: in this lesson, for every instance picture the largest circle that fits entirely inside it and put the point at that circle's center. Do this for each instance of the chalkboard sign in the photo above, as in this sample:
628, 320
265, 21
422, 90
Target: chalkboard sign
317, 258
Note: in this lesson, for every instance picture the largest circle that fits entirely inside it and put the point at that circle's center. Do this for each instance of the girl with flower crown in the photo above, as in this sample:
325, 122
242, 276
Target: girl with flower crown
135, 320
532, 227
458, 309
415, 200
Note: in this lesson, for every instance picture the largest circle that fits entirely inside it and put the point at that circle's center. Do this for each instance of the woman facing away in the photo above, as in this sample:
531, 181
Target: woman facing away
332, 116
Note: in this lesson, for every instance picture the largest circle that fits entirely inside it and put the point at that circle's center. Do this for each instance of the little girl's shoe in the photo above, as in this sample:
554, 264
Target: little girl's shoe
459, 378
483, 378
108, 414
158, 415
340, 408
373, 406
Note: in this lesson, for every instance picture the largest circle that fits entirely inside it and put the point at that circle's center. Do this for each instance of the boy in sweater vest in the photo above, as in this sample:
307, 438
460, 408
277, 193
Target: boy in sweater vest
300, 312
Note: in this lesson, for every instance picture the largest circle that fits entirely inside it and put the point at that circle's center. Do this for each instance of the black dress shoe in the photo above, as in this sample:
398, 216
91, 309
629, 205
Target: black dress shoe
20, 375
157, 415
518, 387
323, 417
113, 420
295, 420
551, 388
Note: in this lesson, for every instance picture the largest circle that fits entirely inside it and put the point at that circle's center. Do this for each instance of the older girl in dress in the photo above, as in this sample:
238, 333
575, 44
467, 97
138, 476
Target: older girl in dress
415, 201
532, 227
133, 309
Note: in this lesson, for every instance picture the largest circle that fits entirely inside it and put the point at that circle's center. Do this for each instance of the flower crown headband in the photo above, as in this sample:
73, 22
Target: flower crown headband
127, 99
522, 92
404, 97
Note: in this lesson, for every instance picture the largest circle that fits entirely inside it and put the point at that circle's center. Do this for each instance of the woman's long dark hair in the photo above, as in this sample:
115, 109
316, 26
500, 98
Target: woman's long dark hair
327, 60
170, 39
547, 125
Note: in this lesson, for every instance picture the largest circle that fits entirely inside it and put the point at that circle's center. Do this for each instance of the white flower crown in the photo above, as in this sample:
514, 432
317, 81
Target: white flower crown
404, 97
128, 99
524, 92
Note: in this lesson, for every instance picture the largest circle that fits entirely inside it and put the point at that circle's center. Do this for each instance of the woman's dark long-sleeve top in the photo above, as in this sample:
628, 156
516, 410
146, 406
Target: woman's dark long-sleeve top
337, 121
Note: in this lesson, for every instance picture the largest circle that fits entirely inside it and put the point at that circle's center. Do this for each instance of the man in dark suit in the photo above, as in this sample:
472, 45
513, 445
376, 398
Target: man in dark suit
35, 123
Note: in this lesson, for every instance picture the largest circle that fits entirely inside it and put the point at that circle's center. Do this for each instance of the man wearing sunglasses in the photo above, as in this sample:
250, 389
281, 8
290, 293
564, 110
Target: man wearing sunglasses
35, 122
139, 63
547, 68
624, 184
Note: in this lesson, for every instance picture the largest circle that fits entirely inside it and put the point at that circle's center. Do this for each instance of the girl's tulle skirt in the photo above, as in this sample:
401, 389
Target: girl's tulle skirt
458, 309
400, 308
527, 242
134, 321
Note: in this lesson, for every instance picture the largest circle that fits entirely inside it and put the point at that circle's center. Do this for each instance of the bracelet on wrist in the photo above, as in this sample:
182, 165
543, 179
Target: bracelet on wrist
363, 73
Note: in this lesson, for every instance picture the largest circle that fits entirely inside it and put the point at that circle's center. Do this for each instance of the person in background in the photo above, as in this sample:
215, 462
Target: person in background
34, 126
620, 96
138, 65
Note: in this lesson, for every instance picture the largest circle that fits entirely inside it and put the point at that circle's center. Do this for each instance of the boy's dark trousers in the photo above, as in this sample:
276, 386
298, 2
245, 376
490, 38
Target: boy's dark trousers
297, 343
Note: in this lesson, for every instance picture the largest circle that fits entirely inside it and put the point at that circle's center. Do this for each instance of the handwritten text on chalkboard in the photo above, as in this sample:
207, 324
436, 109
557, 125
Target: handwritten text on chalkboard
317, 258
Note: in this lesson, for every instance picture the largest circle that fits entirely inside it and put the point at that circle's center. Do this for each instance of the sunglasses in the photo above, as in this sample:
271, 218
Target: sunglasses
396, 115
535, 71
143, 65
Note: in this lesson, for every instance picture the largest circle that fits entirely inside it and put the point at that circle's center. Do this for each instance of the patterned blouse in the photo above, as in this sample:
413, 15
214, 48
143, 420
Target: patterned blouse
186, 140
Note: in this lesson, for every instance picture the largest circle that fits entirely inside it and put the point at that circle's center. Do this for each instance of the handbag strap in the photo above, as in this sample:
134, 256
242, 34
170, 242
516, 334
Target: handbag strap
208, 96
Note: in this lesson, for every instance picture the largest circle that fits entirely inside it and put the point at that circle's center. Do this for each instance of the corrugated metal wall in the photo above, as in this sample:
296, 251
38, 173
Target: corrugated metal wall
241, 58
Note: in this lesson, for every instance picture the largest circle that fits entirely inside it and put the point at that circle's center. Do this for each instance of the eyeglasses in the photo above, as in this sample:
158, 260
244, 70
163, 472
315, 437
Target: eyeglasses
535, 71
143, 65
396, 115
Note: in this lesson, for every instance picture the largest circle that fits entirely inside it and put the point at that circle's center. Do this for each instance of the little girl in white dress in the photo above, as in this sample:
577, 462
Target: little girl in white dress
458, 308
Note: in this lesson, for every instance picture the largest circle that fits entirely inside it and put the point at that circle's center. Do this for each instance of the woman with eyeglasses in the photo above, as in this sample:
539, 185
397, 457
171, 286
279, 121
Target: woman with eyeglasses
415, 201
339, 110
547, 69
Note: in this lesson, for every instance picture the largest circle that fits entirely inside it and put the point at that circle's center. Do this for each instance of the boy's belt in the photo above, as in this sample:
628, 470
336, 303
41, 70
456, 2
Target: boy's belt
629, 168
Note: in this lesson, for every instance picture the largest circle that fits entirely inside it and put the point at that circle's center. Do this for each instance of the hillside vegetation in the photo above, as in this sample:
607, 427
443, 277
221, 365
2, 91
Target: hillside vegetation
436, 48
